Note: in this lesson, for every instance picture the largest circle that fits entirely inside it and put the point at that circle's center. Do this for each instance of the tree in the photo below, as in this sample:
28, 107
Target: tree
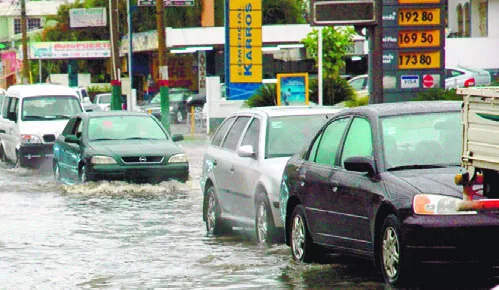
335, 45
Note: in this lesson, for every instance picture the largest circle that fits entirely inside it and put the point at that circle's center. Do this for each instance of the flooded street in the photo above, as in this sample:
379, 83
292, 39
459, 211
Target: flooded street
117, 235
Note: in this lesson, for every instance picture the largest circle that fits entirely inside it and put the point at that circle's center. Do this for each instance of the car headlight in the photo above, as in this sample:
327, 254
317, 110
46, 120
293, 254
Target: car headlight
178, 158
102, 160
432, 204
30, 139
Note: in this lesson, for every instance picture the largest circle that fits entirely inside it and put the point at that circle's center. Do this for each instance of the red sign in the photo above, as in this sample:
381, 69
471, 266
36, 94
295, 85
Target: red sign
428, 81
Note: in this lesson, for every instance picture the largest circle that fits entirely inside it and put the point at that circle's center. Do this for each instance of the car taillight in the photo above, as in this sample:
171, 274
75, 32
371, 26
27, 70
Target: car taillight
469, 82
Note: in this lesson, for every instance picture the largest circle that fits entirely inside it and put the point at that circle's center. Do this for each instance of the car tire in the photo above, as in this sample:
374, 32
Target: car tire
57, 173
214, 224
3, 157
393, 262
303, 248
83, 174
179, 117
265, 229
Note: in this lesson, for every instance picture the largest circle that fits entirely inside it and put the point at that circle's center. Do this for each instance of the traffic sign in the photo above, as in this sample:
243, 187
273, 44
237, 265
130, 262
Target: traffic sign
344, 12
428, 81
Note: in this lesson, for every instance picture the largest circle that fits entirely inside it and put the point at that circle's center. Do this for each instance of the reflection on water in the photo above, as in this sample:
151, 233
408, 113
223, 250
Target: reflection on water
109, 235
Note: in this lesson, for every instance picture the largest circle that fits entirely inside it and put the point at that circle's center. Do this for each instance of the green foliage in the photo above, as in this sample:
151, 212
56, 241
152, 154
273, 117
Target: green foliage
335, 44
283, 12
335, 90
265, 96
437, 94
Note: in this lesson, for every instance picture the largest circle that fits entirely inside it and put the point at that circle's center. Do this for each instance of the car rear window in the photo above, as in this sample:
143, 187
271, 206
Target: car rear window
288, 134
50, 108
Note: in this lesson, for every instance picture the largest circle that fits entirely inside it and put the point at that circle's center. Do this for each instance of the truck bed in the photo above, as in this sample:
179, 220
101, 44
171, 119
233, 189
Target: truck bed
480, 117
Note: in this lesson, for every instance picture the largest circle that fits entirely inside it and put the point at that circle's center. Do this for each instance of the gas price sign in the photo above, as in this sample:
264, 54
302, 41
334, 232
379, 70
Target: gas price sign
418, 38
419, 16
419, 60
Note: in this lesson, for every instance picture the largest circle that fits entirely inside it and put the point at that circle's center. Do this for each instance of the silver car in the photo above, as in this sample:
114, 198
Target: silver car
462, 77
244, 163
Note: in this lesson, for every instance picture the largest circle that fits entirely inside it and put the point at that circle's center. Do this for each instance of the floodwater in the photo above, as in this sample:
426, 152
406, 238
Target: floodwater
117, 235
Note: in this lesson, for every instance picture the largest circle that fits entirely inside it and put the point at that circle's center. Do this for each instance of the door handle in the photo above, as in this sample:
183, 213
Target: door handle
334, 185
232, 169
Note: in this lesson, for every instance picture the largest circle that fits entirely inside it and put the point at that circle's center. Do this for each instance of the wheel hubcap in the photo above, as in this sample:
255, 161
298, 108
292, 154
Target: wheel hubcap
391, 253
261, 222
211, 213
179, 117
298, 237
83, 176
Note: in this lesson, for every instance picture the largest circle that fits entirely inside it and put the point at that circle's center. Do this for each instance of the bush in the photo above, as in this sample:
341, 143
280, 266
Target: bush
335, 90
438, 94
265, 96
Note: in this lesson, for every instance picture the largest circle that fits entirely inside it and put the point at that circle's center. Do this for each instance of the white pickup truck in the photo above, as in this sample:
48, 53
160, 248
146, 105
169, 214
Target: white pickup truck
480, 157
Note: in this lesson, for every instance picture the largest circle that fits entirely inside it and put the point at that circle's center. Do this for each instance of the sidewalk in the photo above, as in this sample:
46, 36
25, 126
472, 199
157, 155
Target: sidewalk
199, 133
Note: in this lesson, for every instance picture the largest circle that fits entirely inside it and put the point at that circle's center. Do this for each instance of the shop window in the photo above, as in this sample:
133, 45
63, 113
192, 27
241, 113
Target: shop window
459, 13
467, 19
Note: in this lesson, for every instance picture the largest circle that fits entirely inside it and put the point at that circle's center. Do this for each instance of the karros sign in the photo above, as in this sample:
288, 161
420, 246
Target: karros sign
245, 37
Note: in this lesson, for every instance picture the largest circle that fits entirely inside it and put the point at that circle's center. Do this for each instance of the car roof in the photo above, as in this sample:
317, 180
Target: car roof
113, 113
276, 111
34, 90
403, 108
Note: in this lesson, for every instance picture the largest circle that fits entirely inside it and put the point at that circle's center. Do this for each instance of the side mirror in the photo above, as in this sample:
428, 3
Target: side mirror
360, 164
177, 137
72, 139
12, 116
246, 151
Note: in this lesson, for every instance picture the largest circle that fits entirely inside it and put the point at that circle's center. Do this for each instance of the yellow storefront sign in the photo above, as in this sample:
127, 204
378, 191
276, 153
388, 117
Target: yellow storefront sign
239, 74
244, 4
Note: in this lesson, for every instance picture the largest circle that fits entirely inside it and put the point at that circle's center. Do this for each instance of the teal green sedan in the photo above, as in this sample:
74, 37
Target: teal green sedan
118, 145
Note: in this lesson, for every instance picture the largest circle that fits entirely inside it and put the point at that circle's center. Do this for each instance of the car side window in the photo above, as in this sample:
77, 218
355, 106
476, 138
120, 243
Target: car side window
5, 106
78, 128
328, 144
234, 133
359, 141
220, 134
12, 106
69, 127
252, 135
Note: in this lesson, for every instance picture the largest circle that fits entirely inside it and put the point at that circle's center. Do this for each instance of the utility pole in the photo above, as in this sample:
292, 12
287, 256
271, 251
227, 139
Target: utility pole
115, 56
24, 32
162, 66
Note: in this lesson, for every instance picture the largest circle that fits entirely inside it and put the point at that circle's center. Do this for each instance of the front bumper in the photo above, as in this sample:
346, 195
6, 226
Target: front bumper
140, 173
452, 239
34, 154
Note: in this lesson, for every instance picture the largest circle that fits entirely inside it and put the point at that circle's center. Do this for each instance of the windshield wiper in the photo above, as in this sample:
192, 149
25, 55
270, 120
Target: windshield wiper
421, 166
58, 117
138, 138
103, 139
34, 117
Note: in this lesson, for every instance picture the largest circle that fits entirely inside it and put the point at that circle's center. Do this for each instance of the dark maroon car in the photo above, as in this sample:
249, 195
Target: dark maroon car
377, 181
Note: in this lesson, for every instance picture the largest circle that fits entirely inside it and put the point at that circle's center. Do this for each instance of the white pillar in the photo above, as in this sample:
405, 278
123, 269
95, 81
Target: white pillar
319, 69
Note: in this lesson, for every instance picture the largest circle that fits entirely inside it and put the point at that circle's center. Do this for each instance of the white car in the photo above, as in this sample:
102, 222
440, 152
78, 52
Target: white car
32, 118
103, 101
462, 77
360, 85
244, 163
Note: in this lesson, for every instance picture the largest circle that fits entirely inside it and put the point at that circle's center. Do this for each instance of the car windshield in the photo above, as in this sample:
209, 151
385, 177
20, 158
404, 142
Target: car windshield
124, 128
104, 99
422, 140
50, 108
288, 134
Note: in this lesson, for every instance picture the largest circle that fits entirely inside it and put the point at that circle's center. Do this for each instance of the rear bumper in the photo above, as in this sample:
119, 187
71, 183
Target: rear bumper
453, 239
34, 154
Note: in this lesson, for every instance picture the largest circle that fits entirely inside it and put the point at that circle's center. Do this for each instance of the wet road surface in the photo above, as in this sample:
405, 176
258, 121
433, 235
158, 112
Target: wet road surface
117, 235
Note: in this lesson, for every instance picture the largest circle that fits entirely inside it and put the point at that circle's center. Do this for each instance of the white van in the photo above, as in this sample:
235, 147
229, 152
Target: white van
32, 118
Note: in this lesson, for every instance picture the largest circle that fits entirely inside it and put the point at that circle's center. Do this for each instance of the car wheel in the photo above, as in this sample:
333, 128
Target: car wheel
3, 157
214, 224
179, 117
57, 173
264, 223
303, 248
393, 264
83, 174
